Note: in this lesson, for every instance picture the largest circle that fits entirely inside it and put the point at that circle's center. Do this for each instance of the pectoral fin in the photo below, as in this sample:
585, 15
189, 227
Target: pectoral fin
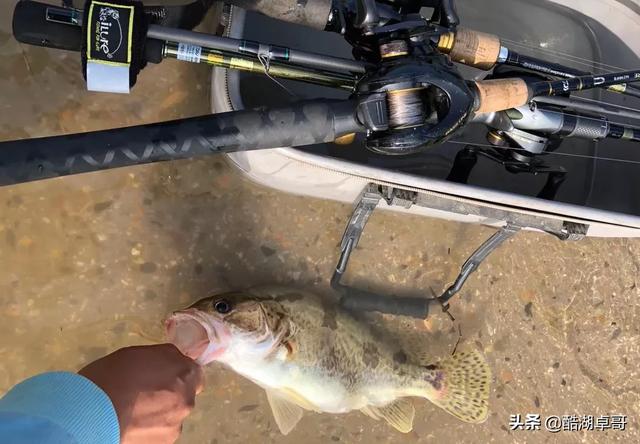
399, 414
297, 399
285, 413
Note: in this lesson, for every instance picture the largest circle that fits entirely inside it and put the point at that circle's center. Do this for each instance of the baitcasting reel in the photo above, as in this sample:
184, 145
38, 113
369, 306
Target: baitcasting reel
415, 96
418, 101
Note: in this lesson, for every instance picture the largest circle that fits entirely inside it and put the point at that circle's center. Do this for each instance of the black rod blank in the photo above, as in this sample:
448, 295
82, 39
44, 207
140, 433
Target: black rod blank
556, 69
300, 124
550, 88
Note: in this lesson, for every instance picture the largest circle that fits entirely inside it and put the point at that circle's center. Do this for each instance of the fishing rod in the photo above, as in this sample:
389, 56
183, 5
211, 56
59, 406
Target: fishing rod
300, 124
485, 51
406, 95
62, 29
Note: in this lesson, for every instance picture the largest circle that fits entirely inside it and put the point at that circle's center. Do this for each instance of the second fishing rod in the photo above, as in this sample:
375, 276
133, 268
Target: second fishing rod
61, 28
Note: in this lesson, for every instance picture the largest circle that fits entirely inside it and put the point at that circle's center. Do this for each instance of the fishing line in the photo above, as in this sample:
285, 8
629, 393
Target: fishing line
549, 153
602, 102
264, 61
406, 107
589, 63
579, 105
455, 347
612, 122
580, 60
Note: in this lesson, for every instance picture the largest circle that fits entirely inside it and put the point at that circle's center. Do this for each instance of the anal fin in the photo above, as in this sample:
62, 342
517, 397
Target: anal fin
367, 411
399, 414
285, 413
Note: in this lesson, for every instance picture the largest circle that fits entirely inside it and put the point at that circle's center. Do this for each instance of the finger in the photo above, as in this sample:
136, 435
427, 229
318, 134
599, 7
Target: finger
199, 379
192, 377
200, 387
174, 435
181, 410
167, 347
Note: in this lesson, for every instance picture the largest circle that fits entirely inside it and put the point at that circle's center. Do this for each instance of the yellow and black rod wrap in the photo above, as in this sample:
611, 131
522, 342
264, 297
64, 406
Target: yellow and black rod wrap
198, 54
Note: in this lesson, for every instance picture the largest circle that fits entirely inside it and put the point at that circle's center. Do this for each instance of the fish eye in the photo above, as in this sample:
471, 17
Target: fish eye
222, 306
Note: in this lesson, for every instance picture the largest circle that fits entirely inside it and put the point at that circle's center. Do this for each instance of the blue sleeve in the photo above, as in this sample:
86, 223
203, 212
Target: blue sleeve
58, 407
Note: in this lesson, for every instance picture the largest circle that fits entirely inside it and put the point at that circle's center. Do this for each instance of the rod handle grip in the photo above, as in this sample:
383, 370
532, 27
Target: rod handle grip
501, 94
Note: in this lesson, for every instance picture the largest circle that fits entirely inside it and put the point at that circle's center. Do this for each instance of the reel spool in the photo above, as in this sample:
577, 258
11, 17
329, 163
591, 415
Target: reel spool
406, 107
426, 99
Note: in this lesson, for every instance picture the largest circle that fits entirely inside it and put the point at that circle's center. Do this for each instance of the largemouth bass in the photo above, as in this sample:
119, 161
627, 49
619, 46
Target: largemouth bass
309, 355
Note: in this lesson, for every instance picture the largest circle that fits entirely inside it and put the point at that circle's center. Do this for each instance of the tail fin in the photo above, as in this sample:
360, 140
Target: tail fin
465, 386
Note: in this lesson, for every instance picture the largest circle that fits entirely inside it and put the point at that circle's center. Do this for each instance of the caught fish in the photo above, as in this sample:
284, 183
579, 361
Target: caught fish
308, 355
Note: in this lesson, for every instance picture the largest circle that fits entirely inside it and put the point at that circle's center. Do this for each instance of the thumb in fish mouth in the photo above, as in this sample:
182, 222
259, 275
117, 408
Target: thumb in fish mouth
188, 335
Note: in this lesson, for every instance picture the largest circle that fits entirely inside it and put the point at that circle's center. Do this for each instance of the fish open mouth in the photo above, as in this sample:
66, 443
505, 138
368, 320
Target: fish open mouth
197, 335
188, 335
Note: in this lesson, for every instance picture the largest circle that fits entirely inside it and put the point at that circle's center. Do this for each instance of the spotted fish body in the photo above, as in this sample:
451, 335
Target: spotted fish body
309, 355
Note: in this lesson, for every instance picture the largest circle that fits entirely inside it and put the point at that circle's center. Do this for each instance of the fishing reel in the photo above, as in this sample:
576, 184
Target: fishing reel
531, 130
414, 96
359, 21
412, 101
518, 139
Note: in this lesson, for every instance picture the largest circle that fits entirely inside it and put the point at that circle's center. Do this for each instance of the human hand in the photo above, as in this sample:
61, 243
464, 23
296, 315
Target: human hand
152, 388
